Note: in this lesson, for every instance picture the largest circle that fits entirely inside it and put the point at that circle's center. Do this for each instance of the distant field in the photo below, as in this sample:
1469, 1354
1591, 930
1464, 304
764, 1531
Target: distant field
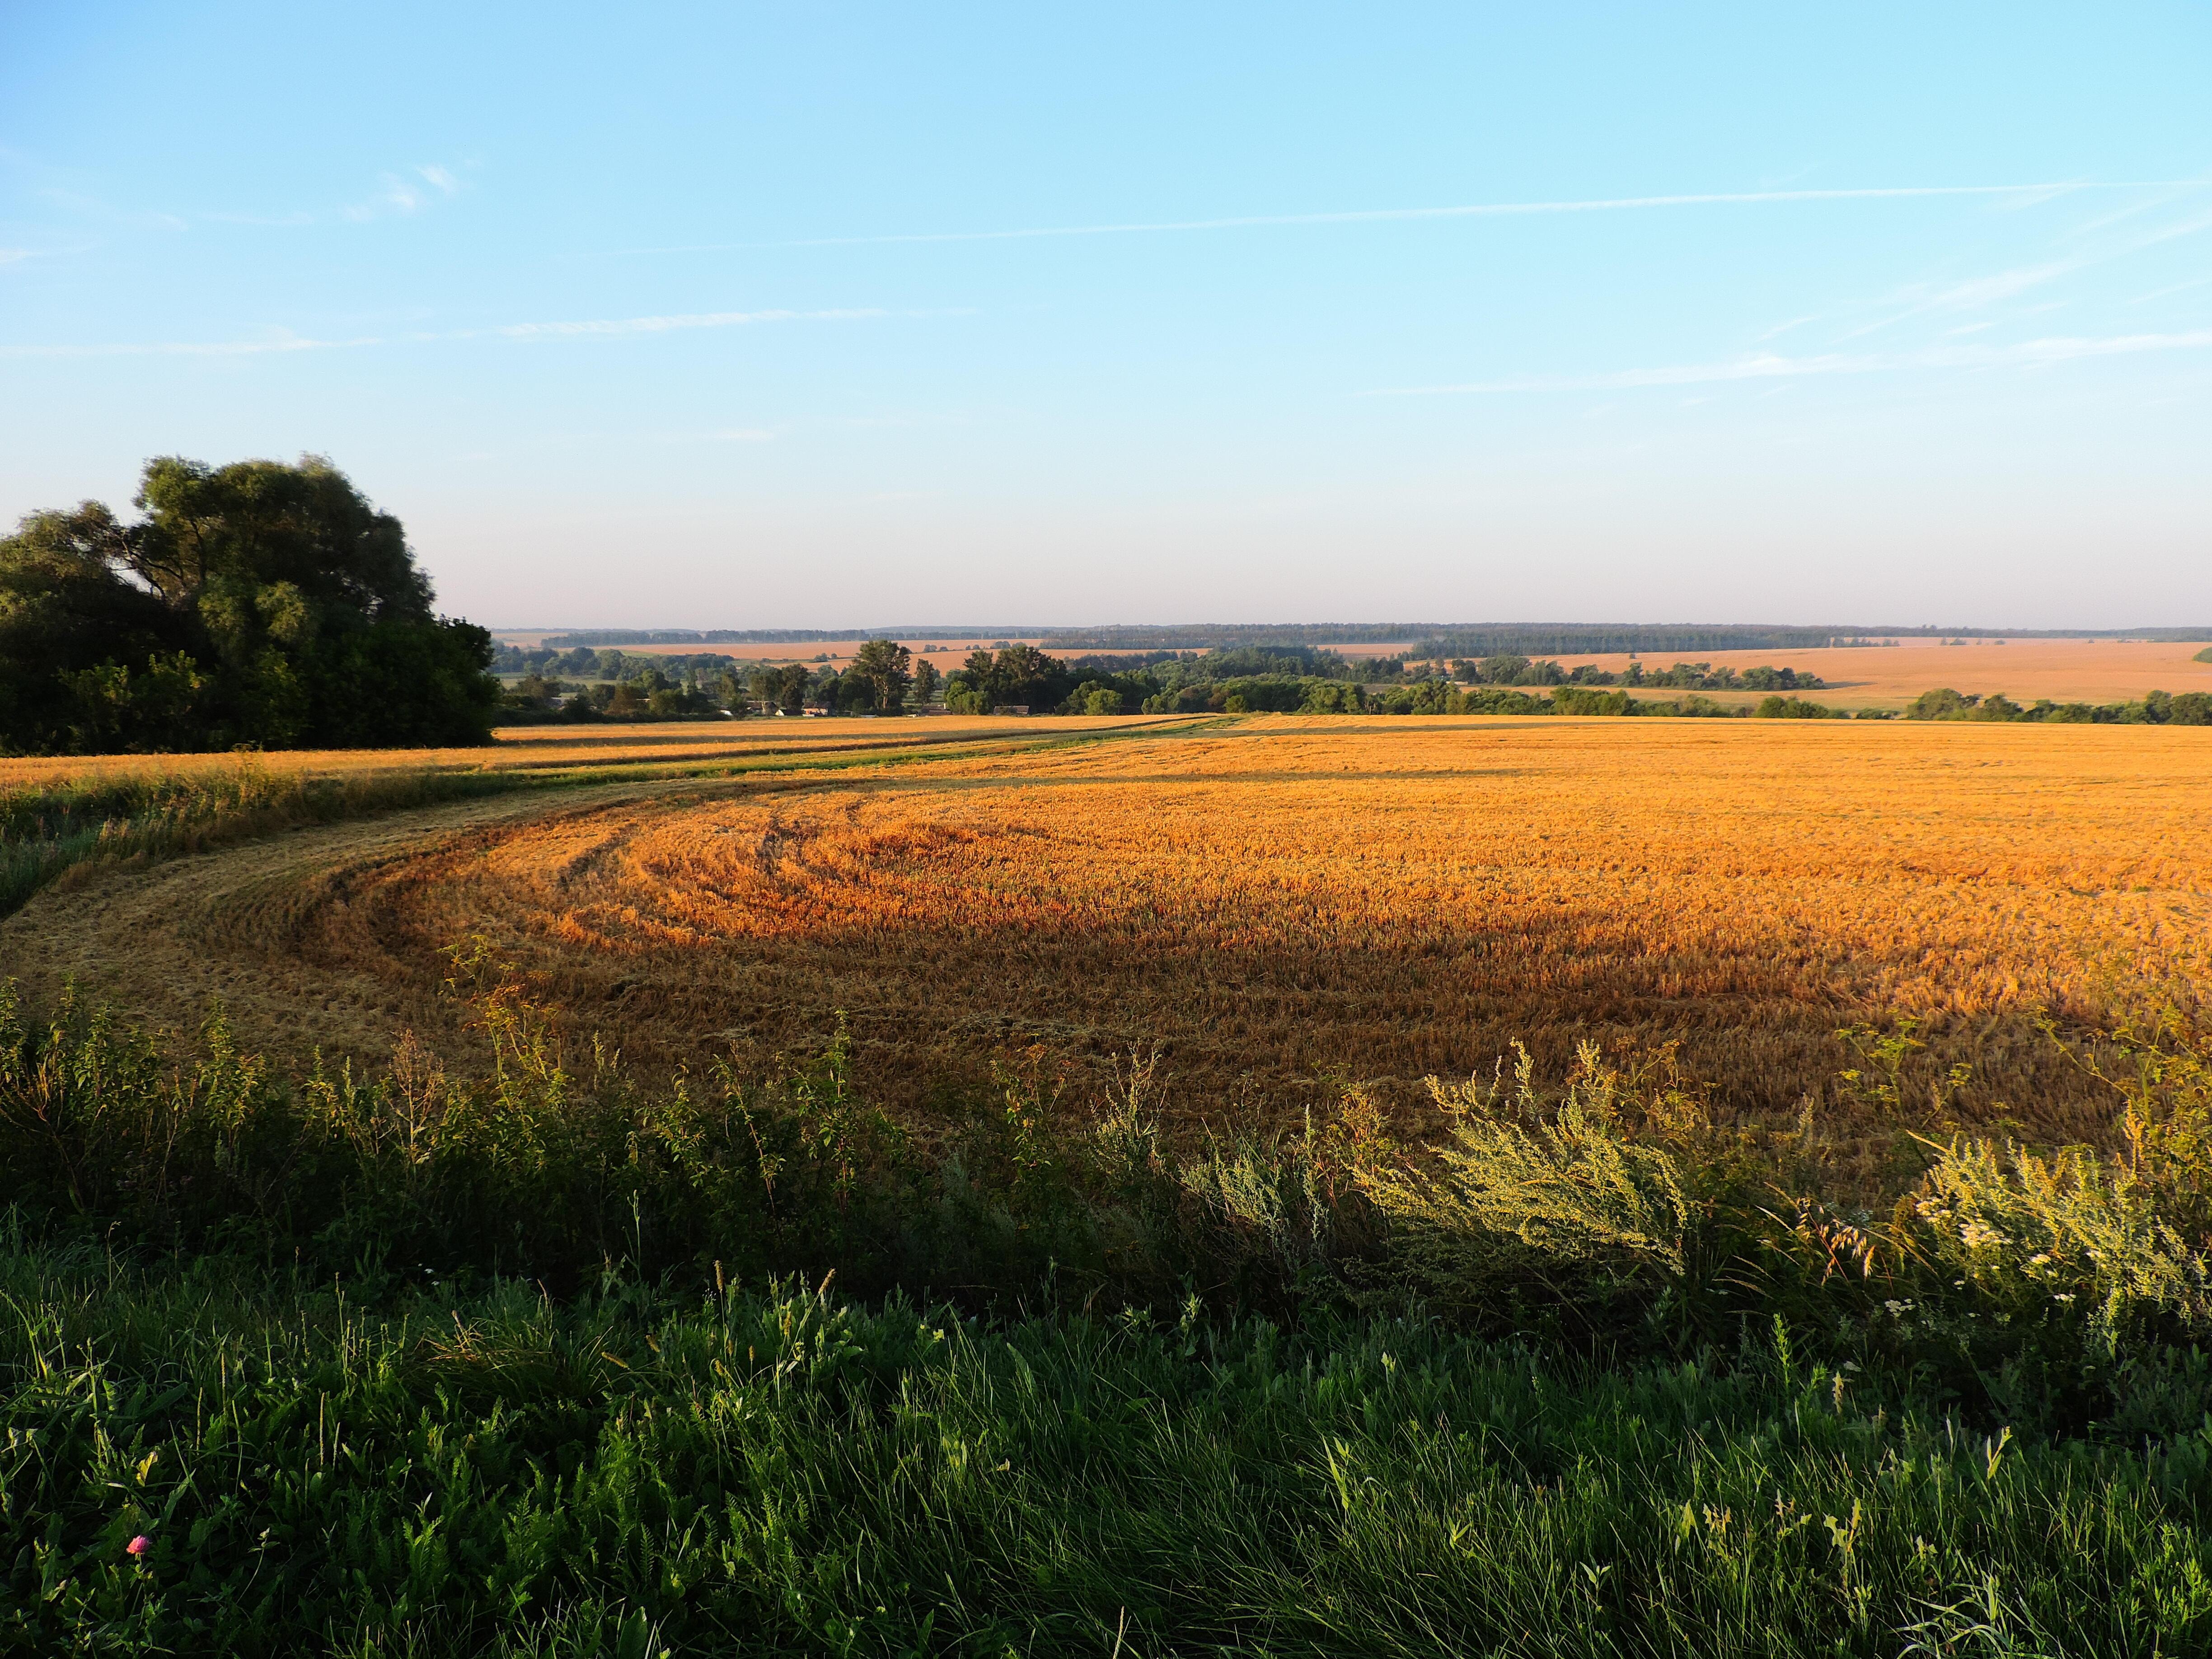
560, 748
837, 653
1275, 903
2064, 671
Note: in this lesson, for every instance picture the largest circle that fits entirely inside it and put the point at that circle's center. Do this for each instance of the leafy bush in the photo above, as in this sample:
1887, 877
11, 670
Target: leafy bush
1794, 708
1561, 1198
2156, 709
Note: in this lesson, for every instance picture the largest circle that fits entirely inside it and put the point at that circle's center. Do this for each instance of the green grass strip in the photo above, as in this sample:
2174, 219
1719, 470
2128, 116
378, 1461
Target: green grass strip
778, 1471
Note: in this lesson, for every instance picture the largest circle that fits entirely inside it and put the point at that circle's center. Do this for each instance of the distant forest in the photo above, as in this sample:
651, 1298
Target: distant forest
1424, 640
1412, 640
887, 678
596, 637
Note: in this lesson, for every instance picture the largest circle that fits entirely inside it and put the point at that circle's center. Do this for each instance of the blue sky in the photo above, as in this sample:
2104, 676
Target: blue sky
839, 315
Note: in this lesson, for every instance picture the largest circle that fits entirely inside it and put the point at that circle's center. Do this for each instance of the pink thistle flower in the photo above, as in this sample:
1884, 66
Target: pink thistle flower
139, 1546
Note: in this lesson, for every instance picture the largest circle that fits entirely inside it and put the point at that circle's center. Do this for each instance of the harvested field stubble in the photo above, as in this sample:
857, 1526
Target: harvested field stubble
1281, 904
538, 748
67, 817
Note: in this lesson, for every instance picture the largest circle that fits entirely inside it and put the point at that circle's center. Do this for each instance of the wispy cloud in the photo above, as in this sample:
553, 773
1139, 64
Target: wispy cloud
597, 328
405, 192
187, 348
1781, 328
1974, 293
2176, 288
1469, 210
93, 208
619, 325
1982, 293
272, 220
1768, 365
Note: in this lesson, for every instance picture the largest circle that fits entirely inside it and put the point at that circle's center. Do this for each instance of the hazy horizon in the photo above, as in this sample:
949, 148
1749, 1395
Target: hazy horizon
1377, 631
752, 317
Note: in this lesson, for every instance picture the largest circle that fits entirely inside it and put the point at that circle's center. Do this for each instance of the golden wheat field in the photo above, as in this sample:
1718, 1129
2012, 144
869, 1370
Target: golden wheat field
1879, 676
554, 748
1275, 904
1890, 676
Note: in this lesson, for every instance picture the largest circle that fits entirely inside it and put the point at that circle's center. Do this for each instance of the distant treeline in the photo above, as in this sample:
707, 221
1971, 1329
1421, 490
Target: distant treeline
583, 663
1414, 639
1306, 680
1421, 639
2156, 709
778, 635
1202, 636
1599, 638
887, 678
1508, 669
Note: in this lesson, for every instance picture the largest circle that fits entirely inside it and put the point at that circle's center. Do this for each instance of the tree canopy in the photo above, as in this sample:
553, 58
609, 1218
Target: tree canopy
257, 603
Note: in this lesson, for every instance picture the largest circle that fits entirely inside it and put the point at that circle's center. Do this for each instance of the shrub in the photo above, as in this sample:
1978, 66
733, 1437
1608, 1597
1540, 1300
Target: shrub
1940, 704
1561, 1199
1794, 708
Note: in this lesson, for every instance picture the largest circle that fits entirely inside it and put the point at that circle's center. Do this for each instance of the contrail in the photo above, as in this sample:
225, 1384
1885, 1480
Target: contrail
1771, 367
1472, 211
600, 327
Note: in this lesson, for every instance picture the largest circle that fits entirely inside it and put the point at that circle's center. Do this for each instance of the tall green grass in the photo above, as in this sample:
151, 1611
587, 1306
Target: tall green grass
2047, 1288
775, 1470
523, 1361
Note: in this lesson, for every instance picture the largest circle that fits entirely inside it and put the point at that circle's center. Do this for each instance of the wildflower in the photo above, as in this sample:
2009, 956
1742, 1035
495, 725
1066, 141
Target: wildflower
139, 1546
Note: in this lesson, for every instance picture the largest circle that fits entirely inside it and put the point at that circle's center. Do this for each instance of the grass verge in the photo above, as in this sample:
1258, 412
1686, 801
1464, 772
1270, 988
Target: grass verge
776, 1470
522, 1362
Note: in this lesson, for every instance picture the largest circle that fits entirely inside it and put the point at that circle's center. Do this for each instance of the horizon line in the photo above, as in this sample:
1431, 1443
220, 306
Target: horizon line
1381, 633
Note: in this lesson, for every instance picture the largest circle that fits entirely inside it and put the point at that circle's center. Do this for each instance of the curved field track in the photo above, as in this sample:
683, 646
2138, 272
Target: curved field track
1273, 902
165, 943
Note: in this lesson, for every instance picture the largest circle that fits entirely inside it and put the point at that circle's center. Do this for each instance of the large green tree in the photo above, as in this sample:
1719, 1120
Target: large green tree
924, 690
885, 667
258, 602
